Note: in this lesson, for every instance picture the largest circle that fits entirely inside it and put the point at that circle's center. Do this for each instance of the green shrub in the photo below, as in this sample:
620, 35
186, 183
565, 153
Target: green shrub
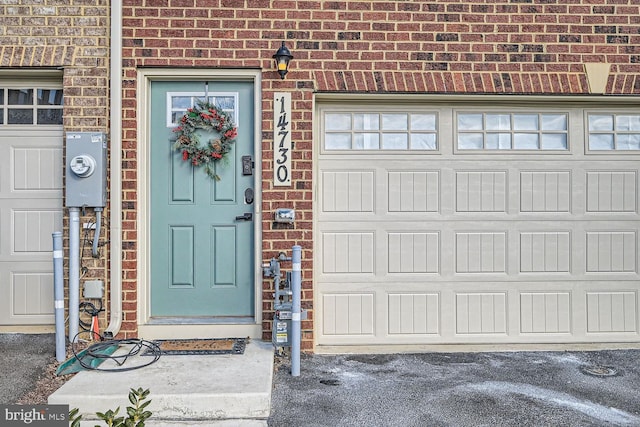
136, 414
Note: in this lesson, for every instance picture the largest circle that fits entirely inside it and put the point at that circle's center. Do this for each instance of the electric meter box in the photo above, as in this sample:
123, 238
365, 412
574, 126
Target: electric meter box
86, 169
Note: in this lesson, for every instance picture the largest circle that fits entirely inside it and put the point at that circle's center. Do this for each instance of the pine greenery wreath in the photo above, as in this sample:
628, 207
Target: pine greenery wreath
210, 118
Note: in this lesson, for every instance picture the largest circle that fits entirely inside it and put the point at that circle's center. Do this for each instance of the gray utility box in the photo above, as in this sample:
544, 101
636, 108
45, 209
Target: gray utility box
86, 169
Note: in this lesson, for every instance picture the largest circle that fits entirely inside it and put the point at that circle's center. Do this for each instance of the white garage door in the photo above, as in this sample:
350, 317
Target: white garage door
30, 199
476, 224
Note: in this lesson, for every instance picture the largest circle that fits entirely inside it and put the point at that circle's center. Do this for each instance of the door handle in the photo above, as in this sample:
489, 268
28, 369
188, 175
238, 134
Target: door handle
247, 216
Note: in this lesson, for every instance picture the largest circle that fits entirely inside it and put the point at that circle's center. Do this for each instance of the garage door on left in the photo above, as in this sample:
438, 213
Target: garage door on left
30, 198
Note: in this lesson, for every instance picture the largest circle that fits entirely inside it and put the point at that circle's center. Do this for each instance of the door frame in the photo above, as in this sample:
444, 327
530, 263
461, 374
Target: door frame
175, 329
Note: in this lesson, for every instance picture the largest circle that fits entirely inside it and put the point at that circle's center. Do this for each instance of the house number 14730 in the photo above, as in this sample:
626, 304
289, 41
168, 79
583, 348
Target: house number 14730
281, 139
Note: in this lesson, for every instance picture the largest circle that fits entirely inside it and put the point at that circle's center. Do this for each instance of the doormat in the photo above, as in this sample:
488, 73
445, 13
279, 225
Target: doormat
200, 346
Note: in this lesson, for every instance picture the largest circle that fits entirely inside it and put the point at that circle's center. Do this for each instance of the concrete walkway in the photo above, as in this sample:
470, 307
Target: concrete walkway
226, 390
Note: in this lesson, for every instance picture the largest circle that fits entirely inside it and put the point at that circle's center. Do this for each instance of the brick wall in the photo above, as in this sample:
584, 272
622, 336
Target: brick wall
73, 36
470, 47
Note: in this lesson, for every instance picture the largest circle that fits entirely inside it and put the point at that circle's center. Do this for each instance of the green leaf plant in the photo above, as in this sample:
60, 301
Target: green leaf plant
136, 414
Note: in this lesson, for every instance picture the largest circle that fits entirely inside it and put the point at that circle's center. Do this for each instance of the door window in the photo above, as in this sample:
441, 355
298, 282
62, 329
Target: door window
179, 102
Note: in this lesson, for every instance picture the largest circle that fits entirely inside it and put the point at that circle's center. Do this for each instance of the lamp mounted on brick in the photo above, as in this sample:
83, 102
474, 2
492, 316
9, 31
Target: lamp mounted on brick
282, 58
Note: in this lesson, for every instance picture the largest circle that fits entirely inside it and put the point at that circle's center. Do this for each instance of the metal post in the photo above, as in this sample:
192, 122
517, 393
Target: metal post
296, 279
58, 295
74, 273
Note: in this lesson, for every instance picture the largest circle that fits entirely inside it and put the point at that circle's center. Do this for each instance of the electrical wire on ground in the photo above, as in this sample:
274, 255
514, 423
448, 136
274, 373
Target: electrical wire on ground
97, 351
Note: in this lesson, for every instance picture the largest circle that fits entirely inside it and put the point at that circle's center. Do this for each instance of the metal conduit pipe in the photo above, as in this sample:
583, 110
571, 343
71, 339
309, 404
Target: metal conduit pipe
115, 173
74, 273
296, 291
96, 233
58, 295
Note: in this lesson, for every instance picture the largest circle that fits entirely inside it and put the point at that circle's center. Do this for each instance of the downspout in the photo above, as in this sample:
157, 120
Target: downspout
115, 173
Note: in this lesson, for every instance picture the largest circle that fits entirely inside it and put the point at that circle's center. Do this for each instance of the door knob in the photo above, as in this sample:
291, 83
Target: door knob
247, 216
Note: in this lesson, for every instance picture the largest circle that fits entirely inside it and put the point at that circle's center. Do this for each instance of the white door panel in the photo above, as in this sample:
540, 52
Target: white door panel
30, 211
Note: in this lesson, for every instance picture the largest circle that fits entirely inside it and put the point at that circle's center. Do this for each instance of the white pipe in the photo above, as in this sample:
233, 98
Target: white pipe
115, 173
58, 294
74, 273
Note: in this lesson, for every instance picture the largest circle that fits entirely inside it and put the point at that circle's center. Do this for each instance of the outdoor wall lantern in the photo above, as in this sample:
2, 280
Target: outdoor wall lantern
282, 58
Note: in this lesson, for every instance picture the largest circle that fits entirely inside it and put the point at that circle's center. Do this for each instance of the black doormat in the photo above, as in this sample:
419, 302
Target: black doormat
200, 346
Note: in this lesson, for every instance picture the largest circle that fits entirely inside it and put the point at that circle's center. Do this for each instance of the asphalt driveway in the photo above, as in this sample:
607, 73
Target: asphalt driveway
23, 358
600, 388
597, 388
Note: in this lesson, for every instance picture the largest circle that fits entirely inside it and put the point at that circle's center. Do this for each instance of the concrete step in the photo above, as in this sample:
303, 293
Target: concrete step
189, 390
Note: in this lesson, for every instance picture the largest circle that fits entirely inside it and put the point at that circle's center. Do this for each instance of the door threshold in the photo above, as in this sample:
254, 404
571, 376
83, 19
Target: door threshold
204, 320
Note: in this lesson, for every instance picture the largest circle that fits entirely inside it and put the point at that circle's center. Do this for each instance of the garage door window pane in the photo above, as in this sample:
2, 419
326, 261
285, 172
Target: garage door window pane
19, 116
627, 123
49, 96
628, 142
366, 121
366, 141
498, 141
525, 141
554, 122
525, 121
394, 122
498, 122
20, 97
49, 117
552, 141
338, 141
337, 122
470, 122
470, 141
423, 141
600, 122
601, 142
423, 122
394, 141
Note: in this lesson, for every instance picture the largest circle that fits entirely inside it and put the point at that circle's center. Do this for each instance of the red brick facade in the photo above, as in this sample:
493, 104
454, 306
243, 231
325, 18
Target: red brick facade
454, 47
521, 47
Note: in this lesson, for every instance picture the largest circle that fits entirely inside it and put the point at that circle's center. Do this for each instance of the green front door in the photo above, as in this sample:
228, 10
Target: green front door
202, 230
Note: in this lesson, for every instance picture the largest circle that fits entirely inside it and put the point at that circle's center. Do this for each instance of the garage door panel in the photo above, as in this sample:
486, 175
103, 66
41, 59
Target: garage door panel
413, 252
481, 191
32, 230
348, 191
481, 313
612, 191
545, 252
481, 252
37, 168
413, 313
347, 252
348, 314
413, 191
545, 191
612, 312
545, 312
611, 251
